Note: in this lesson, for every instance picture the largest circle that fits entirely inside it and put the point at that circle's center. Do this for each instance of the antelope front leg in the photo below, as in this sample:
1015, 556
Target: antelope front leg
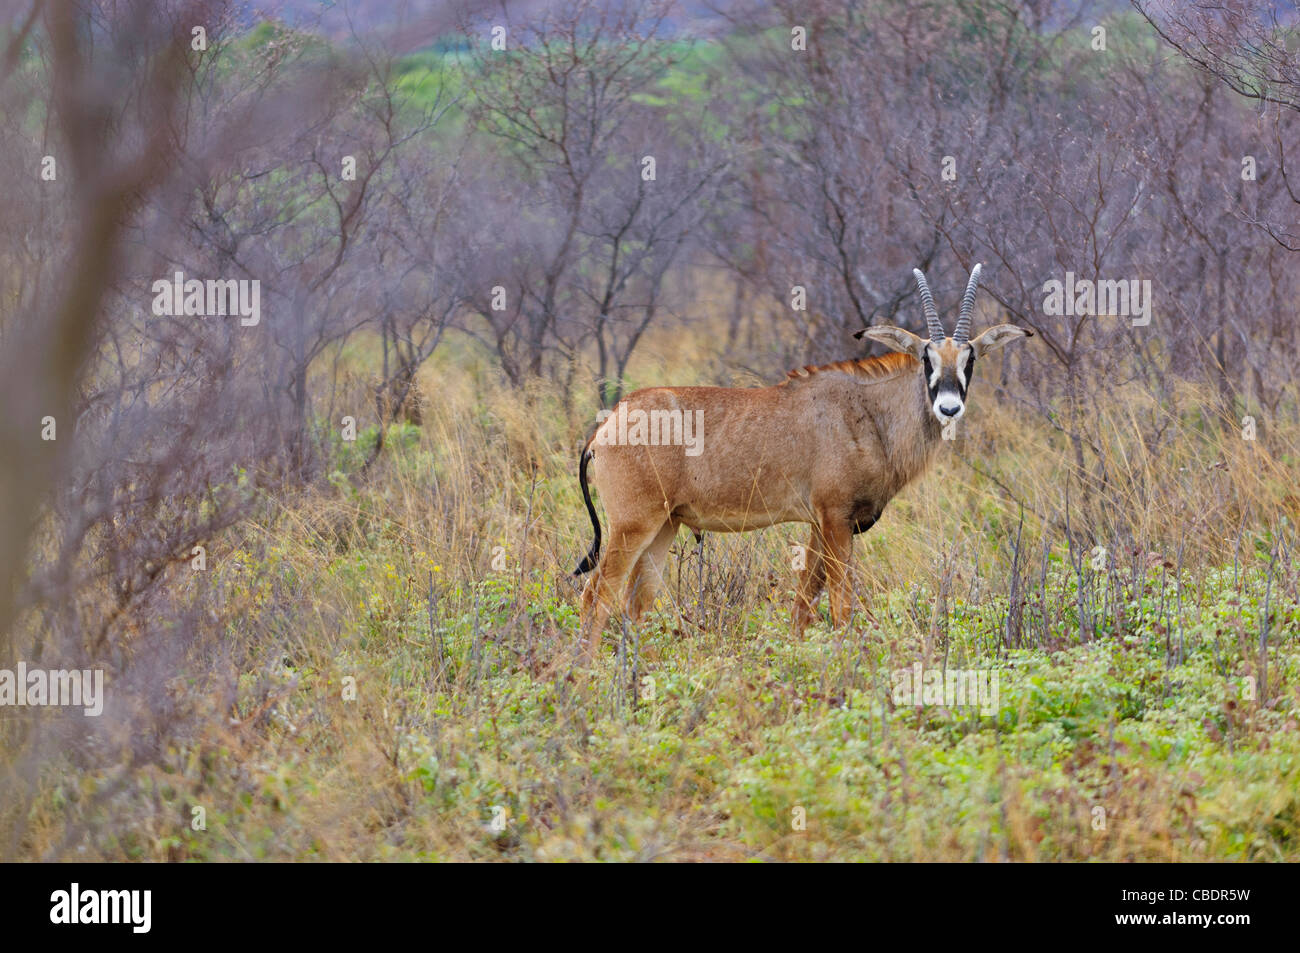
812, 579
838, 536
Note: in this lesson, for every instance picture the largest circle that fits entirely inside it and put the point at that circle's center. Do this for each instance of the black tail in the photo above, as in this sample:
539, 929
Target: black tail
589, 563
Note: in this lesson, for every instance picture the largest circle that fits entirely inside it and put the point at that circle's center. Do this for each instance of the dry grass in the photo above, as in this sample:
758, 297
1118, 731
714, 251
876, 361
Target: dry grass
438, 581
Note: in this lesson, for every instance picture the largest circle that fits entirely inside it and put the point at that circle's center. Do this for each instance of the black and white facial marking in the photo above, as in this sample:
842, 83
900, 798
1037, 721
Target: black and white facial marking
947, 367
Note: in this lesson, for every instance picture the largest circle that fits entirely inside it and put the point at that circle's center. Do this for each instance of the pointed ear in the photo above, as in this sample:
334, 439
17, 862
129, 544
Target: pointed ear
896, 339
998, 335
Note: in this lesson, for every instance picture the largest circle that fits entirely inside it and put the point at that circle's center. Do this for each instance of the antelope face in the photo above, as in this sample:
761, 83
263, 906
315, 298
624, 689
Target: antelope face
947, 368
946, 362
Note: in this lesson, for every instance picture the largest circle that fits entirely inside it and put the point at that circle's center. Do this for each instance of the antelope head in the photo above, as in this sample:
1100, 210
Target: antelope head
946, 362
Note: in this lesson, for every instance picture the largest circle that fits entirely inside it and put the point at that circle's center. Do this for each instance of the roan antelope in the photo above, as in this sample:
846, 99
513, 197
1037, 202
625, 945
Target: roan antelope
829, 446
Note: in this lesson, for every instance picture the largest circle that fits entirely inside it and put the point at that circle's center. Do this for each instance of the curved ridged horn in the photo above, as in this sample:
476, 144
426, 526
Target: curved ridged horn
961, 334
937, 332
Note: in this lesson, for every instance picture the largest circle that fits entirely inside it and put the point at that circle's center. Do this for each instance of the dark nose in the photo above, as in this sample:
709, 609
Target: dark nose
950, 410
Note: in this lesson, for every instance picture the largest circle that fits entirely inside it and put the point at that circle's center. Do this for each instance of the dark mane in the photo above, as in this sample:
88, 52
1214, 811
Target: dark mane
884, 365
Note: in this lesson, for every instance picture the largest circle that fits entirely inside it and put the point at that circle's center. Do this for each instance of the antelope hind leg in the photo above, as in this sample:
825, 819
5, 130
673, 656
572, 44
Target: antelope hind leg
648, 575
606, 585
